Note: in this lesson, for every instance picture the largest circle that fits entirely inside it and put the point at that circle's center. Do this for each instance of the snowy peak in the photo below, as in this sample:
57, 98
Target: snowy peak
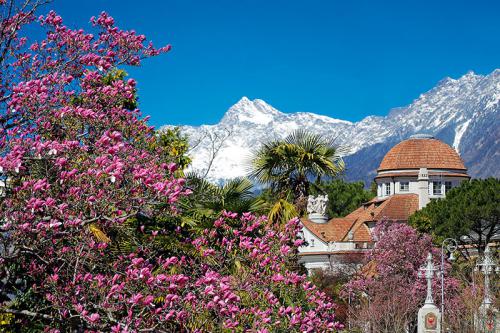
463, 112
256, 112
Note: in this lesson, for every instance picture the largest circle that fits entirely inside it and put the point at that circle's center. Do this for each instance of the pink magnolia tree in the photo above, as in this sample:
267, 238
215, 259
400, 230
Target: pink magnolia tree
89, 231
388, 294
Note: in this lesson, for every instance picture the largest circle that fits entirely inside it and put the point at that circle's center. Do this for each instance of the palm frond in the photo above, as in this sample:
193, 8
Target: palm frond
282, 212
296, 159
99, 234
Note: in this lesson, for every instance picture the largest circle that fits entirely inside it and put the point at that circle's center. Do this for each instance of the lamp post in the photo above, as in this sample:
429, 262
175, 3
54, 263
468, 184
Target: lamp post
429, 317
451, 245
427, 272
487, 267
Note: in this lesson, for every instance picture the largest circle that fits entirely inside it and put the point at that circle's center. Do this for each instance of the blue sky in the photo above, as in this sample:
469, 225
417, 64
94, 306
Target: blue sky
344, 59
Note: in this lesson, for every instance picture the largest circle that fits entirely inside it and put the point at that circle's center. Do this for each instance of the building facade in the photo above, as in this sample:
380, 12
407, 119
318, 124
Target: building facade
411, 174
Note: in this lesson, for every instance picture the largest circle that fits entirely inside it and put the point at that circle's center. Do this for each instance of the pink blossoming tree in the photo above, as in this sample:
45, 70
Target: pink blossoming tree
388, 293
88, 233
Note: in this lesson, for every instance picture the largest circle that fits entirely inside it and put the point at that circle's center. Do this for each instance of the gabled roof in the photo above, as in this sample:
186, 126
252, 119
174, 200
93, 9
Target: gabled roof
331, 231
395, 208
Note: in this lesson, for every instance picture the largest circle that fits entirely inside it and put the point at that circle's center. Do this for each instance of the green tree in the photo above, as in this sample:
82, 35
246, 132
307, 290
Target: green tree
343, 197
175, 147
289, 165
208, 200
470, 213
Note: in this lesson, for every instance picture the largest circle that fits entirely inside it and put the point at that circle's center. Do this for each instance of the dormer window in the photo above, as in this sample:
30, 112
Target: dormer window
311, 242
404, 186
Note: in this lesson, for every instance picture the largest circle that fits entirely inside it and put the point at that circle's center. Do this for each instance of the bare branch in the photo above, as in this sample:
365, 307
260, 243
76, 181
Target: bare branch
217, 141
28, 313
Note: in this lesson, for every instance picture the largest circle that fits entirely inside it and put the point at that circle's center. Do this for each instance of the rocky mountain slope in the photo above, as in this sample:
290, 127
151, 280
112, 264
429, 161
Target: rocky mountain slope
464, 113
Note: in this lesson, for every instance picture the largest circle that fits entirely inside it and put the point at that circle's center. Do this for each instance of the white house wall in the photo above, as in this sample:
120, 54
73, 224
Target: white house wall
314, 243
413, 184
312, 262
455, 181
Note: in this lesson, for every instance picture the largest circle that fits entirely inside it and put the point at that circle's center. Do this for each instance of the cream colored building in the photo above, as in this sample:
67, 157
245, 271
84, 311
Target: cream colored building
411, 174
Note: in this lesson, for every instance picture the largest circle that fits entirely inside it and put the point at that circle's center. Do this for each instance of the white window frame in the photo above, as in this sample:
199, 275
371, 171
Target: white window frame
406, 188
437, 190
448, 185
387, 189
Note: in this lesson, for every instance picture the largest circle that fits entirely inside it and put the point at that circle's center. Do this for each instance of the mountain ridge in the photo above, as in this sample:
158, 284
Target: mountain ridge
463, 112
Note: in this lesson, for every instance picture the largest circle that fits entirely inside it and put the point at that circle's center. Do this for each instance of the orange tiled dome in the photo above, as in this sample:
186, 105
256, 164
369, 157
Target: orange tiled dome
421, 152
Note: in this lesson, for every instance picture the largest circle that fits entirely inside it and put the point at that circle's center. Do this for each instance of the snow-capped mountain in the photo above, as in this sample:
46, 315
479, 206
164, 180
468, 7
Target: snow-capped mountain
464, 113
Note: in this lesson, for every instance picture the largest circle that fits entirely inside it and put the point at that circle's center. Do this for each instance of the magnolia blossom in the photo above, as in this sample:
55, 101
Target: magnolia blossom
94, 236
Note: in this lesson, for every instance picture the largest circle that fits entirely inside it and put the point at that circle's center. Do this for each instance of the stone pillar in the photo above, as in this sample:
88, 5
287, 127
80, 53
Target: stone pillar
429, 317
423, 188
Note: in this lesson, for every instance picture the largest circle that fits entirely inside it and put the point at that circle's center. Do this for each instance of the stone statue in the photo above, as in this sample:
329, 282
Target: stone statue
311, 205
322, 201
317, 205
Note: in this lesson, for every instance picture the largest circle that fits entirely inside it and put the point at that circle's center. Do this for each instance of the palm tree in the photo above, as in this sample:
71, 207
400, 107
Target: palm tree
290, 164
208, 200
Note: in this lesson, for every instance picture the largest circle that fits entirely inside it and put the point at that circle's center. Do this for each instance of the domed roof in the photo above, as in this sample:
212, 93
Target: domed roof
421, 152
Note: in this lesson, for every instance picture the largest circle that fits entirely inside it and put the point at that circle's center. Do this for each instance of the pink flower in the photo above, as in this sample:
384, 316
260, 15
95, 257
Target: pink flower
94, 318
147, 300
277, 278
170, 261
135, 299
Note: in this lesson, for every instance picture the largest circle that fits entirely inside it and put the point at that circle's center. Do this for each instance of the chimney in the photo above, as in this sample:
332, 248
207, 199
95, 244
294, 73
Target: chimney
423, 188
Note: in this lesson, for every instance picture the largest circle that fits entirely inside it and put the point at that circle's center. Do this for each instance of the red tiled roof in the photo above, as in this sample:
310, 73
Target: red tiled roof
395, 208
331, 231
399, 207
369, 270
421, 153
361, 233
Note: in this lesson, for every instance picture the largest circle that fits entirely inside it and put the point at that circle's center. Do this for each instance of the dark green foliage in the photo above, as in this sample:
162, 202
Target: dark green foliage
343, 197
373, 188
472, 209
175, 146
208, 200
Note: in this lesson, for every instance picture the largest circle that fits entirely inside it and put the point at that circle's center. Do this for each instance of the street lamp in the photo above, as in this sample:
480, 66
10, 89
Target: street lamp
487, 267
428, 315
451, 246
428, 272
